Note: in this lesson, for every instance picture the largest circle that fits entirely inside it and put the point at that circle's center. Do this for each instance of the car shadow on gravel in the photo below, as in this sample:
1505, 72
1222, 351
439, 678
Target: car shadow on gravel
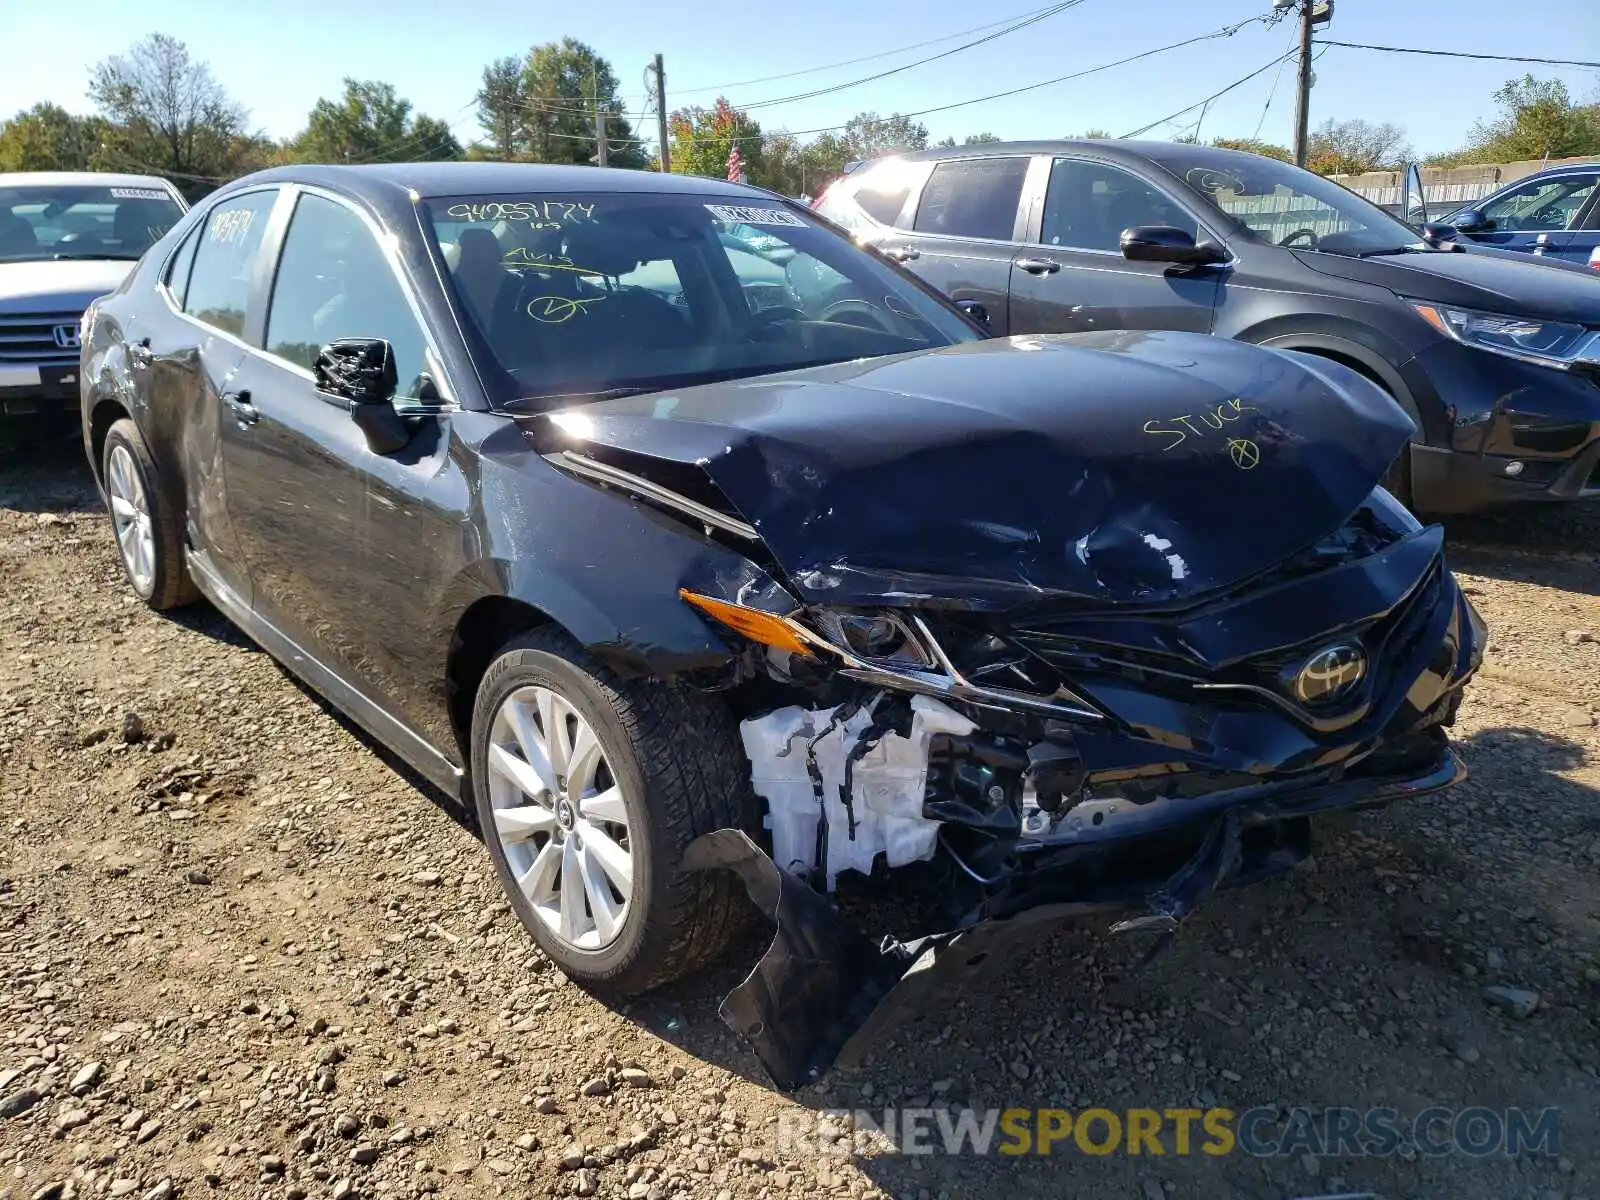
1556, 545
43, 468
461, 814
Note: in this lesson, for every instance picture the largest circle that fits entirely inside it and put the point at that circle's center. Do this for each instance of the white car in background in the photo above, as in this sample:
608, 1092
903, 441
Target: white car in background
66, 238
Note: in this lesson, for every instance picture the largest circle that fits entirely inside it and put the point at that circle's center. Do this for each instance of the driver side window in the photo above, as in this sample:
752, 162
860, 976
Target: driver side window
1549, 205
334, 282
1089, 204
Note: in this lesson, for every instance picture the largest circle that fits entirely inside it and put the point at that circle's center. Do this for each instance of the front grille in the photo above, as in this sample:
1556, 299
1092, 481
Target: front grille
1392, 638
31, 338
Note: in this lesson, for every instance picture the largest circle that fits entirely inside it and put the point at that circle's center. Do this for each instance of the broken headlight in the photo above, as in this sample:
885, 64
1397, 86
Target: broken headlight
876, 636
873, 636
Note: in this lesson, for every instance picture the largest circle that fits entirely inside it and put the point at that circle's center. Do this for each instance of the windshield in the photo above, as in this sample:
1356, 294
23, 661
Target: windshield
48, 221
594, 294
1282, 205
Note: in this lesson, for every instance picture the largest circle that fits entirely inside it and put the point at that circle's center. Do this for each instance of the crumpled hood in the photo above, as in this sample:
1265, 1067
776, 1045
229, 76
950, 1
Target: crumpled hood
1128, 467
1494, 280
58, 285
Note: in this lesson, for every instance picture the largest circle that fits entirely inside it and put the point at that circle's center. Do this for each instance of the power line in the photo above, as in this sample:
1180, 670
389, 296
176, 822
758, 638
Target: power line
1553, 62
1224, 31
412, 141
1261, 70
1045, 14
1276, 79
850, 62
1029, 19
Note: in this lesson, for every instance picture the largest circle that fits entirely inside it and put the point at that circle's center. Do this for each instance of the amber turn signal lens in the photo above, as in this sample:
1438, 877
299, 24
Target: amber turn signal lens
754, 624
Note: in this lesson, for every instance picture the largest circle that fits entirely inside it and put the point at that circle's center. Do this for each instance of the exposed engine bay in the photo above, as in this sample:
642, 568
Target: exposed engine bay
990, 616
1065, 763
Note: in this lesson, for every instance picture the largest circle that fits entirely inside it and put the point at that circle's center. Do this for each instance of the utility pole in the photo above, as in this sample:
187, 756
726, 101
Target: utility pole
600, 136
1302, 97
661, 111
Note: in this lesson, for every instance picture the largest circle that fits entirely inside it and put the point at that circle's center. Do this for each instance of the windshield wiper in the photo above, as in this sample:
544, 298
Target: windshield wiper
107, 257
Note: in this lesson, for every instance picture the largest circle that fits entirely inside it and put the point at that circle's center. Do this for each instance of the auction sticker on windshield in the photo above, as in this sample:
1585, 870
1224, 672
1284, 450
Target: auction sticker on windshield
739, 215
138, 194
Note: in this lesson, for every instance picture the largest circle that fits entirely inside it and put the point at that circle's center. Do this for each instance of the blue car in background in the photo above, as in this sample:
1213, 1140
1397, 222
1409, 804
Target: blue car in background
1554, 214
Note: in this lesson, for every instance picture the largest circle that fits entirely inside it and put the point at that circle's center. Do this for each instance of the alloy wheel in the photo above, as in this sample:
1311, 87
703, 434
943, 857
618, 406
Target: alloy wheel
130, 518
560, 817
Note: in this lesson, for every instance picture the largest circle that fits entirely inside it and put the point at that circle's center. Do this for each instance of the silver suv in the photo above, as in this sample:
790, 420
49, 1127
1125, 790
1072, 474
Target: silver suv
66, 238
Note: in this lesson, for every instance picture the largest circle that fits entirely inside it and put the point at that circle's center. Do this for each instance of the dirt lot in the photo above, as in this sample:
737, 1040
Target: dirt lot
241, 953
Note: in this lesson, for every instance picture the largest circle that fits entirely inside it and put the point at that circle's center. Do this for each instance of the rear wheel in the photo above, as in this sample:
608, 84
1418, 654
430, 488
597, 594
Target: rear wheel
147, 520
589, 788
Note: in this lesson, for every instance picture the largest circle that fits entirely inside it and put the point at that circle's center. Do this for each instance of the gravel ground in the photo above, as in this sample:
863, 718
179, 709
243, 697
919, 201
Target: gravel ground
243, 953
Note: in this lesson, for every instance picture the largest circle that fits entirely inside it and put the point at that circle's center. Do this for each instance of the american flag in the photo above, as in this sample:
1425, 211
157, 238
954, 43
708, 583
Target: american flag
735, 166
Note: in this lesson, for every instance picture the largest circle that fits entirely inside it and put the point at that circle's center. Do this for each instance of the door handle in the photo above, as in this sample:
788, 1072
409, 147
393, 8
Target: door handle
1039, 266
901, 253
238, 403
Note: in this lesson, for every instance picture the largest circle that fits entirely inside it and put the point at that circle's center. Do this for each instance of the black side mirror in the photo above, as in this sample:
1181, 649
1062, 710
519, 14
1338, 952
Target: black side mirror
361, 373
1163, 243
1436, 234
1473, 221
975, 310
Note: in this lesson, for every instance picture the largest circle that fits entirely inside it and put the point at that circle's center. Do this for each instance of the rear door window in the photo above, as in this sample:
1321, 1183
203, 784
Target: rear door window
973, 197
177, 277
225, 261
883, 194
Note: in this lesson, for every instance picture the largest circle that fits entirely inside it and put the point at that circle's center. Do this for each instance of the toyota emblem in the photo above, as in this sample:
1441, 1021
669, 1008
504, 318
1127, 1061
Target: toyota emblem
1331, 674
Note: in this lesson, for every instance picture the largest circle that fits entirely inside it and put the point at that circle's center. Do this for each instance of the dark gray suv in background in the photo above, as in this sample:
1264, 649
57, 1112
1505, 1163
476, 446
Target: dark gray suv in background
1496, 357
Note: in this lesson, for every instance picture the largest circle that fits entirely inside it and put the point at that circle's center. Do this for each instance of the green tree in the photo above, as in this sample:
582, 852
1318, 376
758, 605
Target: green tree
563, 83
702, 138
47, 137
1537, 119
1351, 147
979, 139
1095, 135
785, 164
371, 122
502, 108
867, 135
165, 112
1254, 146
825, 158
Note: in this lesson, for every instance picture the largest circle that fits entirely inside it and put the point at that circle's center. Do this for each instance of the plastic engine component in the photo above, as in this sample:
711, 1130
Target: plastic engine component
888, 786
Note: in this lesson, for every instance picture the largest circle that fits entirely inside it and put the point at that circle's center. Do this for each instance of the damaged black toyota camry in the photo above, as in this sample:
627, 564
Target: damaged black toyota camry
710, 555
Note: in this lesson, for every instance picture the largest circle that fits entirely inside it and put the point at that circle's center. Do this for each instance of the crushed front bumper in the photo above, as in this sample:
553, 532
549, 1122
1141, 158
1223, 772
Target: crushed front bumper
824, 994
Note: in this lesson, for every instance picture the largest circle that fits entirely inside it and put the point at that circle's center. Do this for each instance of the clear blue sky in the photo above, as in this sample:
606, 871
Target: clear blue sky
277, 57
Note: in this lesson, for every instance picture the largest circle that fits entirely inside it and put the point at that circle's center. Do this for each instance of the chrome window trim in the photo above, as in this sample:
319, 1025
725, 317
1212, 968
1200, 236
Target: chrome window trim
388, 246
289, 193
1200, 222
166, 265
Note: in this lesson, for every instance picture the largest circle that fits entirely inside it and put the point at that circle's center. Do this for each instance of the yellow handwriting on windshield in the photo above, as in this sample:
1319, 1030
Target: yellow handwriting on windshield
1212, 418
547, 214
557, 310
521, 256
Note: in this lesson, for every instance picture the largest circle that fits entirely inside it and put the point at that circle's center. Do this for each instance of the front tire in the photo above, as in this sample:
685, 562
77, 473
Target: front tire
589, 788
147, 521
